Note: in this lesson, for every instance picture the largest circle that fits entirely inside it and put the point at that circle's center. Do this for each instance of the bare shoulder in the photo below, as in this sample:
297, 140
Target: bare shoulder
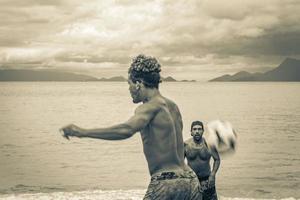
188, 142
173, 107
172, 103
149, 107
169, 100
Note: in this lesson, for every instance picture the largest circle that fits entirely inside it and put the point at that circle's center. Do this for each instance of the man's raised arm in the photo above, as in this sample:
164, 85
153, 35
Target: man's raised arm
141, 118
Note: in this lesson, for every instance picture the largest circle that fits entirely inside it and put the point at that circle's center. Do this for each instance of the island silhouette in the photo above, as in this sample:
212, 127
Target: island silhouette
288, 70
48, 75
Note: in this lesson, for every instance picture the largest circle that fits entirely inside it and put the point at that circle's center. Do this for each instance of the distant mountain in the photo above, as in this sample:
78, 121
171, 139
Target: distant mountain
288, 70
168, 79
33, 75
121, 78
237, 76
188, 80
39, 75
114, 79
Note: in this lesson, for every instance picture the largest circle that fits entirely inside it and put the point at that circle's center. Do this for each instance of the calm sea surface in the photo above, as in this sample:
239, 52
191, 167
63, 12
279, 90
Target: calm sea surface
35, 158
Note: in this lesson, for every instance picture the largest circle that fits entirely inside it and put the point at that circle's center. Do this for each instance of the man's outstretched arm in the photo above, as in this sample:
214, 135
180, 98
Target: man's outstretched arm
141, 118
117, 132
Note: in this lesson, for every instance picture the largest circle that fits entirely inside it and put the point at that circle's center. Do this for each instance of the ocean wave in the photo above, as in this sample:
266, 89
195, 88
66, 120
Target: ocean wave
101, 195
241, 198
82, 195
25, 189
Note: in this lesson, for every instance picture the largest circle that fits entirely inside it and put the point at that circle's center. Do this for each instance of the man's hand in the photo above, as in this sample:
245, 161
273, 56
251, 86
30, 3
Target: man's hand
72, 131
211, 181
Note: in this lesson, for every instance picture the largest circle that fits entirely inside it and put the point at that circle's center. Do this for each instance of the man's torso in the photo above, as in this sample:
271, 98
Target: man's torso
162, 137
198, 157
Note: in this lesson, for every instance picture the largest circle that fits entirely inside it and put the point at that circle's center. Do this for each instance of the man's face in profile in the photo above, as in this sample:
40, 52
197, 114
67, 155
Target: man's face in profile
134, 91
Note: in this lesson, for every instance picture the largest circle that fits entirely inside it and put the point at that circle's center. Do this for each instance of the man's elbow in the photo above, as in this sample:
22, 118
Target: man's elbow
217, 160
126, 135
127, 132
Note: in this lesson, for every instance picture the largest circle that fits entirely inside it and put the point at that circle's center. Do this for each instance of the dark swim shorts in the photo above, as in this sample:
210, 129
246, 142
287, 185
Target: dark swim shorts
175, 186
209, 193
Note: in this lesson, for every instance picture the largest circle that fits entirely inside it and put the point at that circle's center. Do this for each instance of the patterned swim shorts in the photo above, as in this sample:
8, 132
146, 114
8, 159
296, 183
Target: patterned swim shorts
209, 193
174, 185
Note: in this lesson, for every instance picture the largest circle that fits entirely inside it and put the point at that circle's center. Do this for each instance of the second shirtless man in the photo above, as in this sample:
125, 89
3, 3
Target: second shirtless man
198, 156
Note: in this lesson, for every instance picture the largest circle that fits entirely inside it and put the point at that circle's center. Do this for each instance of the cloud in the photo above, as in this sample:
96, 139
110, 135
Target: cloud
27, 55
196, 35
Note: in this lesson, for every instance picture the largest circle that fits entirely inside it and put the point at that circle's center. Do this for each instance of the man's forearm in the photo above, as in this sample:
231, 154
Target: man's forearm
118, 132
215, 167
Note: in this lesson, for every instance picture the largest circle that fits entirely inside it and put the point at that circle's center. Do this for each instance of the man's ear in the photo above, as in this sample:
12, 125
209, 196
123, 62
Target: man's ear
138, 85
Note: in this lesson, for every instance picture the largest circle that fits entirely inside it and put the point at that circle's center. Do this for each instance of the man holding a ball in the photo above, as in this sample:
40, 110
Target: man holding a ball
198, 155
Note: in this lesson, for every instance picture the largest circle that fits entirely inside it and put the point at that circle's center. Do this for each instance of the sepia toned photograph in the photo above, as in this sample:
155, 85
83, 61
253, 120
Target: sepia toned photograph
149, 100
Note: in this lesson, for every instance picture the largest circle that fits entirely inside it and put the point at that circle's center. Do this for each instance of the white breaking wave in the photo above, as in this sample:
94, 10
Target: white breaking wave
240, 198
100, 195
82, 195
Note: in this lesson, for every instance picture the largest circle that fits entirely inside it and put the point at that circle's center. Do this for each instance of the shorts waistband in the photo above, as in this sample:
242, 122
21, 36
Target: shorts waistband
173, 175
165, 176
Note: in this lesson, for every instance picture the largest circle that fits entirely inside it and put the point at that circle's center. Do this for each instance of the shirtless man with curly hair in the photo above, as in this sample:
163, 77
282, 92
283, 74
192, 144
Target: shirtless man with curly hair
159, 122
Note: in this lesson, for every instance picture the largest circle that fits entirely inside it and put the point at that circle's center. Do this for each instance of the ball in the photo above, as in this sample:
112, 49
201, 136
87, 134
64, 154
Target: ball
221, 136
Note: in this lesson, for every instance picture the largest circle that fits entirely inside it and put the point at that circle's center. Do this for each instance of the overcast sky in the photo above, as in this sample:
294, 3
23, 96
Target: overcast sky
193, 39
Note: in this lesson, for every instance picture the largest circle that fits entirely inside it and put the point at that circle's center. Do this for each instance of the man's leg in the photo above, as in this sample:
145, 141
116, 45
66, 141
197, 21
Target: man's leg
209, 193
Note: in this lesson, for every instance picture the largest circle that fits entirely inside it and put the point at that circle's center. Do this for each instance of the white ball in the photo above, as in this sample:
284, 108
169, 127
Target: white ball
221, 136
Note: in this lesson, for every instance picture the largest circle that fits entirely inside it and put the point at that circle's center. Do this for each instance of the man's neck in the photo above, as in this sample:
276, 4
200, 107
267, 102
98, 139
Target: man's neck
150, 93
198, 141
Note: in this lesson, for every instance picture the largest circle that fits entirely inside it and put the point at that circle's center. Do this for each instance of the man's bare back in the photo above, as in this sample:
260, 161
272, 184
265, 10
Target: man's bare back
164, 132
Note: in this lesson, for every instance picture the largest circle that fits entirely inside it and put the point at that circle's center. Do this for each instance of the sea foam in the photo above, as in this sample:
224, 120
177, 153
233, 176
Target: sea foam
100, 195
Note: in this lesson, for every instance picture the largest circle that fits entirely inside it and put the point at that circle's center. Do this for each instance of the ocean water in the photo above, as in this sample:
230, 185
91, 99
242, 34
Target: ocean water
36, 162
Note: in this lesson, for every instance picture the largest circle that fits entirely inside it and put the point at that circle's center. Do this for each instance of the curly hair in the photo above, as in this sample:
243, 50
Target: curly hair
145, 69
